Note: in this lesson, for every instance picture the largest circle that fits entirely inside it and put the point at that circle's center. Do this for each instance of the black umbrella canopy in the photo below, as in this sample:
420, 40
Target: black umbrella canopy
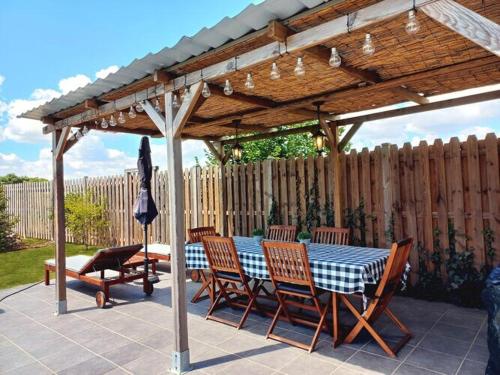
145, 209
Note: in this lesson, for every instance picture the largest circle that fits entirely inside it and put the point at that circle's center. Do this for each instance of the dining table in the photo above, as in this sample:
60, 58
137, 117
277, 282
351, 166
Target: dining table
338, 269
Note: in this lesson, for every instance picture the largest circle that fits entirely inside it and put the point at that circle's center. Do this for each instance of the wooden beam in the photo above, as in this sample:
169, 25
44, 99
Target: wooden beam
162, 76
244, 98
410, 95
180, 354
213, 150
248, 127
466, 22
277, 31
59, 224
348, 136
91, 104
156, 118
61, 144
186, 109
341, 121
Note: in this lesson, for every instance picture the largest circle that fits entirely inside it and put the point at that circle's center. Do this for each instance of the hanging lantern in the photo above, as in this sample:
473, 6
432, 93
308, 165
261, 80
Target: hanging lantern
237, 152
319, 141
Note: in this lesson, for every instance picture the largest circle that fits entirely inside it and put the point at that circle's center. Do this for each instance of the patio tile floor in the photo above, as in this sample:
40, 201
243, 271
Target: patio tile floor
134, 336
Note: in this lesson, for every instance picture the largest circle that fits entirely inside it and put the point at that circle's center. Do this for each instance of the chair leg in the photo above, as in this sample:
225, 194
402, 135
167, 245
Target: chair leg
206, 285
274, 321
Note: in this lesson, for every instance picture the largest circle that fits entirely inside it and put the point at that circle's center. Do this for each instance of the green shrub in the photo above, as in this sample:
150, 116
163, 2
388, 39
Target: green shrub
304, 236
8, 238
85, 218
258, 232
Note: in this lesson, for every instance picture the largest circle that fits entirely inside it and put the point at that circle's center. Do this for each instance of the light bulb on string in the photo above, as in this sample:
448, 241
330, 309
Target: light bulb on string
299, 70
121, 118
131, 112
275, 71
175, 101
85, 130
228, 89
157, 106
73, 137
335, 59
104, 123
206, 90
368, 47
249, 83
139, 108
78, 134
186, 94
412, 25
112, 121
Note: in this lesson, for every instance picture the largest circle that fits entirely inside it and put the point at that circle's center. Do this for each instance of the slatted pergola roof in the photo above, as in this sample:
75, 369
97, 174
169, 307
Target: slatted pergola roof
456, 48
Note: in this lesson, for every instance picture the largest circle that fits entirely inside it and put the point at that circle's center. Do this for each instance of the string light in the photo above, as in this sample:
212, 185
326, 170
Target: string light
299, 70
206, 90
85, 130
335, 59
157, 105
139, 108
131, 112
249, 83
275, 71
104, 123
175, 101
112, 121
186, 94
412, 25
78, 135
121, 118
228, 89
368, 47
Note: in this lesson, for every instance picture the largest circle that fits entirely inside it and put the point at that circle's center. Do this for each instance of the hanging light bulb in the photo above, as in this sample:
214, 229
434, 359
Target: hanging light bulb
73, 137
368, 48
275, 71
175, 101
121, 118
85, 130
139, 107
412, 25
131, 112
157, 105
104, 123
96, 122
206, 90
249, 83
78, 134
228, 89
335, 59
299, 70
186, 94
112, 121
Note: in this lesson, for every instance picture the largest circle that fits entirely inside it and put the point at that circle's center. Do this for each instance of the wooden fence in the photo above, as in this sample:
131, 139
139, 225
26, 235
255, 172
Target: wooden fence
412, 191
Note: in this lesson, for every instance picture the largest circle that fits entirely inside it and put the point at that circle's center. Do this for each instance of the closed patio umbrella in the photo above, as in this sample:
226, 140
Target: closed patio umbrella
145, 209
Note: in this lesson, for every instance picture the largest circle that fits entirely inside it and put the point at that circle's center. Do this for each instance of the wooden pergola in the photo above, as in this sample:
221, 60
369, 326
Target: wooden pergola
456, 48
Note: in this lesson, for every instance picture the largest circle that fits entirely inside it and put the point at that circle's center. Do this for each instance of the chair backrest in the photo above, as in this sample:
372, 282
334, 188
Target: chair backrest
197, 234
222, 255
288, 262
112, 258
284, 233
394, 269
331, 236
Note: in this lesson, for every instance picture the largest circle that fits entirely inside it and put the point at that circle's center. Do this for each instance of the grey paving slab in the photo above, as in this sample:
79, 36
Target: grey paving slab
472, 368
439, 362
93, 366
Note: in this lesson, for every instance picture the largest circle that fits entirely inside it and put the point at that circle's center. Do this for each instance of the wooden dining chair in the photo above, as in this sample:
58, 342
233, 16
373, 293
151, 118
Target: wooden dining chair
330, 236
284, 233
196, 235
288, 266
379, 301
227, 273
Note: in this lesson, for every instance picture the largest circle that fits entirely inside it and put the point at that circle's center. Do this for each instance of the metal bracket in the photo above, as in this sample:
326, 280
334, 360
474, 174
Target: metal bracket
180, 362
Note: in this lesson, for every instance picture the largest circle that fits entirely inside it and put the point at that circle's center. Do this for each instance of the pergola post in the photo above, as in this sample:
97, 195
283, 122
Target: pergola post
337, 178
59, 138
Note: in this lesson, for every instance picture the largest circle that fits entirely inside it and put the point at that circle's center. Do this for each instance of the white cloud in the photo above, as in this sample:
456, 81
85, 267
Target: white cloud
69, 84
2, 79
103, 73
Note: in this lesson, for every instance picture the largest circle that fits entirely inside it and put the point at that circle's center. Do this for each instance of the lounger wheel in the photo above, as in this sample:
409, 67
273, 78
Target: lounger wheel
100, 299
148, 288
195, 276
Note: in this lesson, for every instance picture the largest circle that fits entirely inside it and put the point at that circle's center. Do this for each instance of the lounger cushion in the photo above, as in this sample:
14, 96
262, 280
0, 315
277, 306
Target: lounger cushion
74, 263
158, 248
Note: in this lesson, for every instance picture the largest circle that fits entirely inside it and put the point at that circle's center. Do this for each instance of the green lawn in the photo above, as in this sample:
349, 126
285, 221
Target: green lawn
26, 266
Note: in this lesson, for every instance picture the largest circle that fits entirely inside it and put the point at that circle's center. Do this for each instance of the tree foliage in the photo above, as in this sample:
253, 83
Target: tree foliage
85, 217
8, 238
11, 178
290, 146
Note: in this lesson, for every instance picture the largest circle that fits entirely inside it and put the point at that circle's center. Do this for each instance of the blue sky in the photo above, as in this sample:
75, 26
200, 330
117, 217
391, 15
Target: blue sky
52, 47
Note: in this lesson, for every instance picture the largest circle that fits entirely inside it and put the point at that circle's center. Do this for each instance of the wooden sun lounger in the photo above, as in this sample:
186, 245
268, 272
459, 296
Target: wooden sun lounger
157, 252
91, 269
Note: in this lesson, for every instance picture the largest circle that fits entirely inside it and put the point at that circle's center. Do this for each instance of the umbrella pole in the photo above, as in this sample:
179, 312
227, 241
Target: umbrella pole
146, 259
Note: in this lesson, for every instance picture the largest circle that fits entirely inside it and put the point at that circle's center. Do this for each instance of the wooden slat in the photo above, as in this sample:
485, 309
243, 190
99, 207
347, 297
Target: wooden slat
493, 188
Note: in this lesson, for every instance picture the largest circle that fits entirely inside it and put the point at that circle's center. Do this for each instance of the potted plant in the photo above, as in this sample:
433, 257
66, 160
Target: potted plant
304, 237
258, 235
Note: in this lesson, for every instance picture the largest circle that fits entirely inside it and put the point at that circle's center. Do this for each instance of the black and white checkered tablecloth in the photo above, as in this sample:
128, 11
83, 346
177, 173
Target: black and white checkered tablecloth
343, 269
